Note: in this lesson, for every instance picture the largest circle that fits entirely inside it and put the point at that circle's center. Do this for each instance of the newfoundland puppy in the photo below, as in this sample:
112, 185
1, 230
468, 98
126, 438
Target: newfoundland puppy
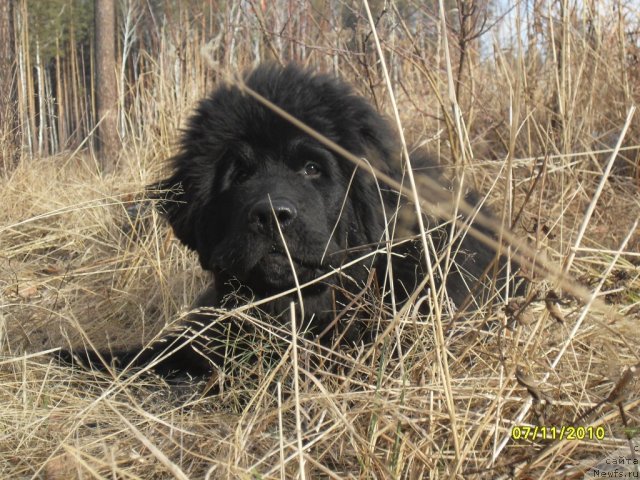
269, 208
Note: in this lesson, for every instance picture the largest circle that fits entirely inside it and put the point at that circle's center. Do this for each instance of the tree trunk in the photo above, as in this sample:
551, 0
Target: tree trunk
108, 141
9, 138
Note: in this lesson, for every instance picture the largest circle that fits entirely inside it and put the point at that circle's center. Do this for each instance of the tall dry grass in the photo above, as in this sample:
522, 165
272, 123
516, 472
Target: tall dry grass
536, 107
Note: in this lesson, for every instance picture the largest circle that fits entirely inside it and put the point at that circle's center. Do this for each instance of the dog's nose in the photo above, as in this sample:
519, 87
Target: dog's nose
263, 213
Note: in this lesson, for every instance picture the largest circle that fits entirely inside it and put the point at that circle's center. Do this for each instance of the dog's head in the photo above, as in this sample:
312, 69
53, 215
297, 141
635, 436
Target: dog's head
248, 185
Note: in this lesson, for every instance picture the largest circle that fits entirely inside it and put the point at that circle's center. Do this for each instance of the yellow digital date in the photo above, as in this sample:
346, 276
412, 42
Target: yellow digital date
564, 432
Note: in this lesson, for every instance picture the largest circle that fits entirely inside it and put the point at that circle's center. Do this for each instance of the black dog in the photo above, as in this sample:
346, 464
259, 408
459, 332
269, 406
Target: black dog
267, 207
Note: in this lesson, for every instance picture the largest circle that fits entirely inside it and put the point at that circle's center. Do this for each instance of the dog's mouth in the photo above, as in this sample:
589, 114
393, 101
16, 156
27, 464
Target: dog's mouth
275, 270
278, 259
278, 255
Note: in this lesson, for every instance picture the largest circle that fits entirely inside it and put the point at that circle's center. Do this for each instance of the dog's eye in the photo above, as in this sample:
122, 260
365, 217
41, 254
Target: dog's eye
240, 175
312, 169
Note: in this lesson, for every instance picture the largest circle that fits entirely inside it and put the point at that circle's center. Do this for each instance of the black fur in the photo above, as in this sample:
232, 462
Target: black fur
241, 166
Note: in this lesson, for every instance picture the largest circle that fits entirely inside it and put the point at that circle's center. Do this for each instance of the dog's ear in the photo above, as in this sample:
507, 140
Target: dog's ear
173, 203
368, 207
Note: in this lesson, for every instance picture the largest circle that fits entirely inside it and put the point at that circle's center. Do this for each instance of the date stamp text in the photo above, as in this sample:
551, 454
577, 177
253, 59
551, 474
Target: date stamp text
564, 432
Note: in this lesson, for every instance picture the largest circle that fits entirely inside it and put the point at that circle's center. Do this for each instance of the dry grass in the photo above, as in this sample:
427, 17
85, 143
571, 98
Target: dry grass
534, 132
